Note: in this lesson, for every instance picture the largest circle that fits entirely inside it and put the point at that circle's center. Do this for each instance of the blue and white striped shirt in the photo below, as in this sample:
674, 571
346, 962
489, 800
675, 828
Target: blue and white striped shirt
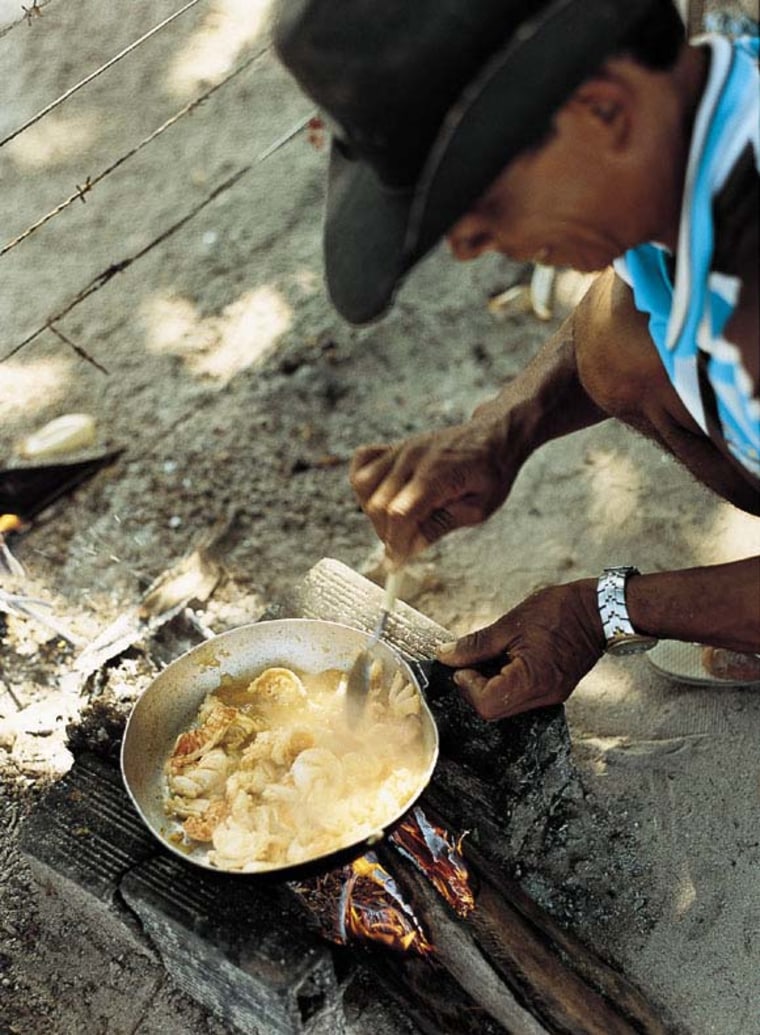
690, 306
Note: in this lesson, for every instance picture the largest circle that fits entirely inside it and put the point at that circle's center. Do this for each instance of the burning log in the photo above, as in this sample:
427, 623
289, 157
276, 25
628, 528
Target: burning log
559, 977
455, 988
361, 902
518, 965
472, 952
433, 851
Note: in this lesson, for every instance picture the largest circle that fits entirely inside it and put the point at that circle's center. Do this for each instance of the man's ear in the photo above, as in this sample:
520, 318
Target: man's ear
603, 105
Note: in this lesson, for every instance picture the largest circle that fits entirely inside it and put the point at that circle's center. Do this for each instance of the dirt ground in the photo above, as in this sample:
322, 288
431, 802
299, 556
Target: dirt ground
232, 387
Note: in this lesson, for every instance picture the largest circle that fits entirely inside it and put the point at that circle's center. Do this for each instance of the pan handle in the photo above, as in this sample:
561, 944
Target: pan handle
434, 676
422, 670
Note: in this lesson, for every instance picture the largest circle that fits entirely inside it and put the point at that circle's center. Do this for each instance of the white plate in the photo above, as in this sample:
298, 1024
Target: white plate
683, 662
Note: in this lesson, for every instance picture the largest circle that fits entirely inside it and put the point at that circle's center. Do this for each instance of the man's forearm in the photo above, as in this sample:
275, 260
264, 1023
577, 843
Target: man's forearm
546, 400
717, 605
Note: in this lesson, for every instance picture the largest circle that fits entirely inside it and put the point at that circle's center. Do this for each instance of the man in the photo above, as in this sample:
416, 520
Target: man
570, 132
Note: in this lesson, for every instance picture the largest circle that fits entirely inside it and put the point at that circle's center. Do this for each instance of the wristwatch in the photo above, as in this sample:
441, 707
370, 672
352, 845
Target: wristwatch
620, 635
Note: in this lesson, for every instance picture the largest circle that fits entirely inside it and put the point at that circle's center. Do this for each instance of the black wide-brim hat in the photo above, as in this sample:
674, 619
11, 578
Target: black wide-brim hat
428, 101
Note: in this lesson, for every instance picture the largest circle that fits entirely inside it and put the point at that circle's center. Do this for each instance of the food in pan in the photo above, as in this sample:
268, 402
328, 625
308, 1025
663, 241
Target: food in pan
271, 775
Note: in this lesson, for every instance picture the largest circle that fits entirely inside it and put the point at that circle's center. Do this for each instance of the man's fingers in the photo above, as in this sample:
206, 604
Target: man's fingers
481, 645
491, 698
437, 524
415, 492
377, 474
543, 648
368, 467
460, 514
405, 535
364, 455
410, 510
503, 695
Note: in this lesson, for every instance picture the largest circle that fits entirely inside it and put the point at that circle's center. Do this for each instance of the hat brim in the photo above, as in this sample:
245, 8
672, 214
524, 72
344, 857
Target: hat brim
366, 225
373, 235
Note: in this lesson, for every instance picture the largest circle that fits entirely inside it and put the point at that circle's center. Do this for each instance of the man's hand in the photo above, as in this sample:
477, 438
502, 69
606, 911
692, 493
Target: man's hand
547, 643
416, 491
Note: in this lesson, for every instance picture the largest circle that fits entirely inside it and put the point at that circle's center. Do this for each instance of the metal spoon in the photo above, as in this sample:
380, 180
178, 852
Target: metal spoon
357, 683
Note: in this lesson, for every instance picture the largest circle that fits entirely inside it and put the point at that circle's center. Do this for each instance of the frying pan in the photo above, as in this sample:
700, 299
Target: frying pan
171, 702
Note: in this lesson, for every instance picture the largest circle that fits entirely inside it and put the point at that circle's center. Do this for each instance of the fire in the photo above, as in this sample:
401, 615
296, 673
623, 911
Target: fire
438, 857
373, 908
362, 902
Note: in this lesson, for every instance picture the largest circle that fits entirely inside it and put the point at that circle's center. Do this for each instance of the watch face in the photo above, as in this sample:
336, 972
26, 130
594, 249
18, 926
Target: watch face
626, 644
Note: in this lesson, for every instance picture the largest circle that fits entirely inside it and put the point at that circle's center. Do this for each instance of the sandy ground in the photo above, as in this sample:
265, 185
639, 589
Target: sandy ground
232, 385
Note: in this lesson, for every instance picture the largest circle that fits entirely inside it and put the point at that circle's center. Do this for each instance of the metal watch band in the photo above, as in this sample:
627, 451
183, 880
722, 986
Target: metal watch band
619, 634
610, 595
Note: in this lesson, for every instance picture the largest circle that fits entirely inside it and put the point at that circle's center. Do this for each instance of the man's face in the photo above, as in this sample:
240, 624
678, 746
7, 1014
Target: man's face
566, 203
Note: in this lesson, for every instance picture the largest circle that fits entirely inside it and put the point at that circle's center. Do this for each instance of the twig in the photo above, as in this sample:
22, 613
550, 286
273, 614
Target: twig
6, 687
32, 12
8, 562
26, 607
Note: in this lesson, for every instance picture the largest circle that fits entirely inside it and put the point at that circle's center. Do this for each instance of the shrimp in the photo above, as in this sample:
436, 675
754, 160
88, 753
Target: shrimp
278, 686
315, 767
206, 777
283, 780
201, 828
279, 745
237, 847
216, 718
403, 698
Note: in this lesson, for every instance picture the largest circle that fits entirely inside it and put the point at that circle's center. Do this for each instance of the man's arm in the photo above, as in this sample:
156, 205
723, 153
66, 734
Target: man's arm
418, 490
554, 637
547, 400
621, 371
717, 605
